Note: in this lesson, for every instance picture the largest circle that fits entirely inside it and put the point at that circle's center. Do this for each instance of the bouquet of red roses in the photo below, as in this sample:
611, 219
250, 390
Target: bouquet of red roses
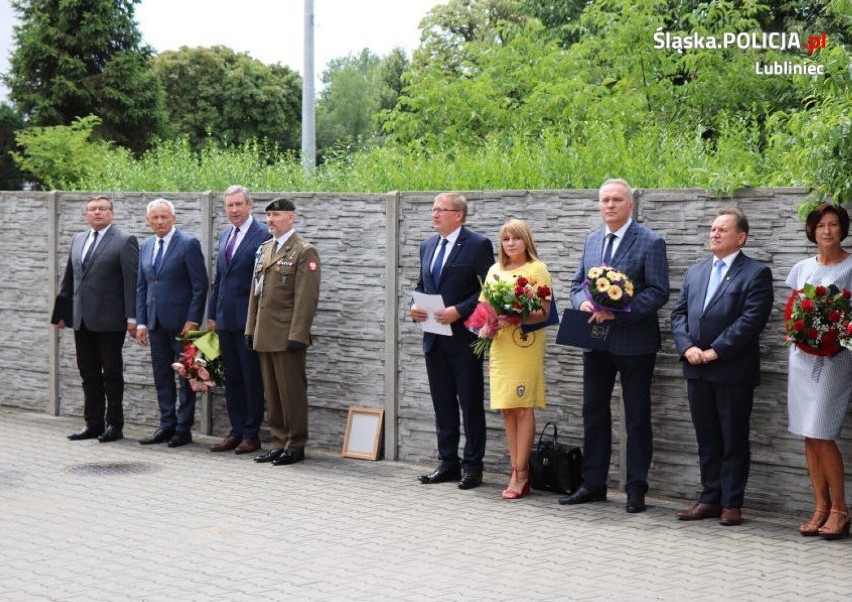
608, 288
201, 361
818, 319
512, 302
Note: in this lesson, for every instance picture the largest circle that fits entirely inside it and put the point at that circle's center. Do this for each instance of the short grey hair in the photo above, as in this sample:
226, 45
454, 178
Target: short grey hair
620, 182
237, 189
458, 201
159, 203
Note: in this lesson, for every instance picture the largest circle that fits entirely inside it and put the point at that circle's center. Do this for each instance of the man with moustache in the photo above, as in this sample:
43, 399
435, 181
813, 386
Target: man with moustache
238, 244
724, 304
282, 305
99, 287
170, 295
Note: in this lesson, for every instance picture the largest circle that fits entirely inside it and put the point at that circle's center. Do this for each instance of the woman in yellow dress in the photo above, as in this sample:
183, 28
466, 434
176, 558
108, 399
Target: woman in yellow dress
516, 366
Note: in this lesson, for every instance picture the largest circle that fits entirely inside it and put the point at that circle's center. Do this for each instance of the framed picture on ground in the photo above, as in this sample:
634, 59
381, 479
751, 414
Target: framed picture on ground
363, 433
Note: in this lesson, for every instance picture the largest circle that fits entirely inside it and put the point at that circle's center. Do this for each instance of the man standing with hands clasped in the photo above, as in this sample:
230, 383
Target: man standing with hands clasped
632, 346
226, 314
99, 289
170, 295
451, 264
725, 302
282, 304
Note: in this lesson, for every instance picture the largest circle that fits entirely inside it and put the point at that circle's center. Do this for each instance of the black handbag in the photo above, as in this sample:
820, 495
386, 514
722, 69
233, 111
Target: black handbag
555, 467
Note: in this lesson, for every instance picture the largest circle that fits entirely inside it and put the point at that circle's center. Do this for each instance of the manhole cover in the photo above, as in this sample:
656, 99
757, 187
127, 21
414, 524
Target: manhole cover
108, 469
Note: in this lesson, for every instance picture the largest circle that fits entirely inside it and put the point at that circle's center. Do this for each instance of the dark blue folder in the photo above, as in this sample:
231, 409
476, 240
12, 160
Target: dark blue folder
575, 331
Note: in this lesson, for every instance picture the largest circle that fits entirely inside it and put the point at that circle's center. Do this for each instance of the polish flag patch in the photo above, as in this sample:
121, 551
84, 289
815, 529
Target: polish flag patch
312, 266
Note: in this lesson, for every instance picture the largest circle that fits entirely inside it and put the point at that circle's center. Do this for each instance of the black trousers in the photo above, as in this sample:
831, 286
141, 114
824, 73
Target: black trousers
101, 366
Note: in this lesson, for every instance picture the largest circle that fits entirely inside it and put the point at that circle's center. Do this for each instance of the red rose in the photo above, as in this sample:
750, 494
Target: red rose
813, 333
517, 305
820, 290
522, 281
835, 315
519, 290
807, 305
543, 291
799, 325
847, 294
849, 328
829, 341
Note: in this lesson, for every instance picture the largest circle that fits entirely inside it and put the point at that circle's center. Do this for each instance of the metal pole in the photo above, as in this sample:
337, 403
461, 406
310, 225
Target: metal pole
309, 141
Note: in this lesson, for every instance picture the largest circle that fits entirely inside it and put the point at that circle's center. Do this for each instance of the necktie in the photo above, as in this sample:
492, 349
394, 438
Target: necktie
158, 260
715, 279
610, 238
229, 250
439, 262
91, 249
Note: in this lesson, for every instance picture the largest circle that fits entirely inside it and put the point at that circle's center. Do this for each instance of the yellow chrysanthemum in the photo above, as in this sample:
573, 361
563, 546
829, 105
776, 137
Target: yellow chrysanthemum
595, 273
613, 275
614, 293
602, 284
628, 288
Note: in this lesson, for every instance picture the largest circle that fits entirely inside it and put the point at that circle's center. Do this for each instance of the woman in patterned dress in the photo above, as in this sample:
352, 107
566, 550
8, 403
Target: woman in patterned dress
516, 365
818, 389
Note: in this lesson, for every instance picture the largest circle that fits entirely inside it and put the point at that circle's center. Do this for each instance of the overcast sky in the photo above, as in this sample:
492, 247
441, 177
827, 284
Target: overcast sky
269, 30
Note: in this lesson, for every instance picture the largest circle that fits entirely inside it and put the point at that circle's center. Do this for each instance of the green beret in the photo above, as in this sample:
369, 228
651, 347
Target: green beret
281, 204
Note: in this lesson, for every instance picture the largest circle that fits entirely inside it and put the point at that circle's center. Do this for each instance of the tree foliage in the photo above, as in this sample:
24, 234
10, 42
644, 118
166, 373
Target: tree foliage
79, 57
216, 94
357, 88
10, 122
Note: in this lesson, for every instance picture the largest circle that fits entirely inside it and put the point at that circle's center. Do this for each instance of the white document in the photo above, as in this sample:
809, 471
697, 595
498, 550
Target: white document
432, 304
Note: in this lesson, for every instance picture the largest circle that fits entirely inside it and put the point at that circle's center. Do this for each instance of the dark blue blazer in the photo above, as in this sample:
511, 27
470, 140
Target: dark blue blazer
730, 324
641, 255
177, 294
468, 261
230, 296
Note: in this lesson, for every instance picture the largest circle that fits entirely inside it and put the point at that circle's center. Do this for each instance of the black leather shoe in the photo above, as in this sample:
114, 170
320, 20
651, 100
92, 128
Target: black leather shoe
269, 456
635, 503
85, 433
470, 479
289, 456
441, 475
160, 436
180, 439
112, 433
583, 496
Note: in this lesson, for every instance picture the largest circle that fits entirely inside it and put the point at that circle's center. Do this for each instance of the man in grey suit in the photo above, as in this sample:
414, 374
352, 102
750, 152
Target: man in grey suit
99, 290
631, 349
725, 302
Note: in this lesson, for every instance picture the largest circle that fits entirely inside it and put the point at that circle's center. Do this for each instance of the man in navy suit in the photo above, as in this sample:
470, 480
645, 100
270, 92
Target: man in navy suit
170, 294
632, 346
451, 265
238, 245
725, 302
99, 287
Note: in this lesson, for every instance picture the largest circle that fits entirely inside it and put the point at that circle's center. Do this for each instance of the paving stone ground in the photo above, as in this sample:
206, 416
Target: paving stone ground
119, 521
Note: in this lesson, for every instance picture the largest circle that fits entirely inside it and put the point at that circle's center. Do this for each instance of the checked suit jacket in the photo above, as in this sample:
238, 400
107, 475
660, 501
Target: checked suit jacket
641, 255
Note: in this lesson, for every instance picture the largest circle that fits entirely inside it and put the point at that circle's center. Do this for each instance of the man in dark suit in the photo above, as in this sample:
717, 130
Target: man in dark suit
238, 245
632, 346
170, 295
100, 288
451, 265
725, 302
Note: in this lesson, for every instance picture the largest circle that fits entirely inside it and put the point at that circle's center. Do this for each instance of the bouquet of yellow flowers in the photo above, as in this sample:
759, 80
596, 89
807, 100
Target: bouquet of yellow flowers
503, 299
609, 289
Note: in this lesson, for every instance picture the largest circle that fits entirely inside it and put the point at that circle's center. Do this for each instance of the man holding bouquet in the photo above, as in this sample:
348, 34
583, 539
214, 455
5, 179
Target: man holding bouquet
632, 345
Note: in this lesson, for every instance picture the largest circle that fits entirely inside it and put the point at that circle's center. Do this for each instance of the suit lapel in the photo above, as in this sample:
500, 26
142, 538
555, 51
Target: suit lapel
427, 260
173, 243
454, 252
625, 244
733, 272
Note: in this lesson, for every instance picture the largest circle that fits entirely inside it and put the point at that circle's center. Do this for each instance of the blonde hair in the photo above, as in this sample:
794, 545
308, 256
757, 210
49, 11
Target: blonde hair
519, 228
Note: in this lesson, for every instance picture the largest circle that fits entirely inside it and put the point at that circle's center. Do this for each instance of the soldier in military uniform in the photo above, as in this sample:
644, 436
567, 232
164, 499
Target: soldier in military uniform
283, 301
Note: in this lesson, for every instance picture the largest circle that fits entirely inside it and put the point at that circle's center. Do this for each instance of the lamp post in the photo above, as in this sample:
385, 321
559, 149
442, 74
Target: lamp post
309, 138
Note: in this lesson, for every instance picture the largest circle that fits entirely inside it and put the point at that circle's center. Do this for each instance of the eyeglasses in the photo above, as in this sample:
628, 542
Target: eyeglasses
441, 210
